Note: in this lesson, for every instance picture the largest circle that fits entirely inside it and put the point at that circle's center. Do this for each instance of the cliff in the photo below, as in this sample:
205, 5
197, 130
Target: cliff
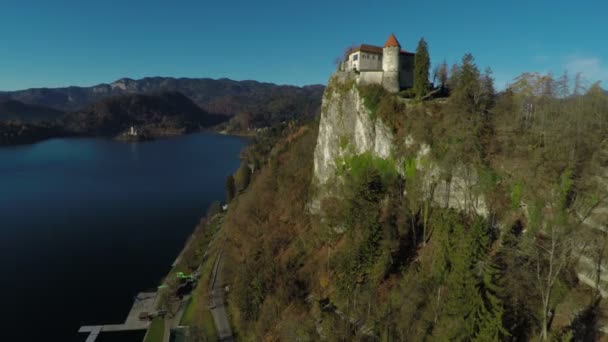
462, 218
348, 128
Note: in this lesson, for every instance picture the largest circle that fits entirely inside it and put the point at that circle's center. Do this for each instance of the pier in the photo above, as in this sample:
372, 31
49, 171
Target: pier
143, 305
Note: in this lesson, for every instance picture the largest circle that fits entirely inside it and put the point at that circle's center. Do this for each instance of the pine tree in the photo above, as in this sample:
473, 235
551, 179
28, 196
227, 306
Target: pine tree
486, 96
422, 63
243, 176
489, 318
473, 311
465, 86
230, 188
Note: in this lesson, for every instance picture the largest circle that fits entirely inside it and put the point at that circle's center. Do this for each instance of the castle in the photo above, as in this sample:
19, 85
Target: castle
389, 66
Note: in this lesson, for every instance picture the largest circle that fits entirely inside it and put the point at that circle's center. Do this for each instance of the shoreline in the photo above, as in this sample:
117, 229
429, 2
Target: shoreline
121, 139
163, 303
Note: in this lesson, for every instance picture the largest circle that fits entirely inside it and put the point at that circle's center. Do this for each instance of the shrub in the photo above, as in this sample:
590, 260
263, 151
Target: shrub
243, 176
361, 166
230, 188
372, 96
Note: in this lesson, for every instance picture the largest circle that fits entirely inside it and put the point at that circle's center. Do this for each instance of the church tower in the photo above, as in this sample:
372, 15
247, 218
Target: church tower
391, 64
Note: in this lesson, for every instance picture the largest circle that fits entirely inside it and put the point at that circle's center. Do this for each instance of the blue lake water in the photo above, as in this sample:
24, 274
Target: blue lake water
86, 224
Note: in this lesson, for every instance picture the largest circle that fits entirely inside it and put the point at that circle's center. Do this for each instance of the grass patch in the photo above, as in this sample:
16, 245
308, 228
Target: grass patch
191, 257
358, 166
197, 313
156, 330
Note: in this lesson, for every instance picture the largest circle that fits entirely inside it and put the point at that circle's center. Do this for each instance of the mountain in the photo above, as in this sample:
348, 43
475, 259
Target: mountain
15, 110
166, 113
17, 133
258, 104
395, 219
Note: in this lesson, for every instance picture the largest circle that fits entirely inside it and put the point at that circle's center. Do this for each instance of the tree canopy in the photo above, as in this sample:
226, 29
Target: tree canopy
422, 64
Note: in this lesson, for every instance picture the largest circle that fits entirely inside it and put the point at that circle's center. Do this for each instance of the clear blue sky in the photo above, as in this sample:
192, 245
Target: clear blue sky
57, 43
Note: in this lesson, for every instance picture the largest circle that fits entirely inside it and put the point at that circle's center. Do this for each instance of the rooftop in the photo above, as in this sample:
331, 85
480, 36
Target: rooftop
392, 41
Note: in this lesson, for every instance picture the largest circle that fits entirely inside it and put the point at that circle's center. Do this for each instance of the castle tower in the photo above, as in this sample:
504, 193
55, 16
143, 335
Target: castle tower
391, 64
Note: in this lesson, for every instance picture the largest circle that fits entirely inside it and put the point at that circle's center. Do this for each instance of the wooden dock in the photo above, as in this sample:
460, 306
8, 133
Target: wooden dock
144, 302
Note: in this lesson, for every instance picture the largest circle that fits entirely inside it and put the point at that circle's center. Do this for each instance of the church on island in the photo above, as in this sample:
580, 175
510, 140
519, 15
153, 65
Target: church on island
389, 66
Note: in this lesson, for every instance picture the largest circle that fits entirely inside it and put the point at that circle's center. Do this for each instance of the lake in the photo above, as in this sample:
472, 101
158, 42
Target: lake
86, 224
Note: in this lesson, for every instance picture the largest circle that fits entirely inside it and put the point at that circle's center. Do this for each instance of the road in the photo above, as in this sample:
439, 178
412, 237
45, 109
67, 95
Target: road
217, 300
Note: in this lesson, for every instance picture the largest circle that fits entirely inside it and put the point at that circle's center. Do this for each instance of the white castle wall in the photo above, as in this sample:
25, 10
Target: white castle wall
370, 61
370, 77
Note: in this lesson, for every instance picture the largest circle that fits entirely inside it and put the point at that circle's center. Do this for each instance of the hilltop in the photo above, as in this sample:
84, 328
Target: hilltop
18, 111
182, 104
477, 217
253, 104
168, 113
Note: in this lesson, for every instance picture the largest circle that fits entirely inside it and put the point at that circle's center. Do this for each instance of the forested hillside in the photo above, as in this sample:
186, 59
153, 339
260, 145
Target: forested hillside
251, 104
18, 111
476, 217
167, 113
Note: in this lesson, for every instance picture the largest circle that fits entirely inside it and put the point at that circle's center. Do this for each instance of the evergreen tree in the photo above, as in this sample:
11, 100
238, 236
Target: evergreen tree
422, 63
230, 188
473, 311
465, 86
486, 96
490, 313
243, 176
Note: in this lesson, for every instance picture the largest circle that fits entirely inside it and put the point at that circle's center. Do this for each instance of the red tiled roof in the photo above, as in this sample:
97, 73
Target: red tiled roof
392, 41
367, 48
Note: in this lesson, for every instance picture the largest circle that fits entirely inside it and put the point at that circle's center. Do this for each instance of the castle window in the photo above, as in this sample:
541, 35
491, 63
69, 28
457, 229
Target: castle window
355, 57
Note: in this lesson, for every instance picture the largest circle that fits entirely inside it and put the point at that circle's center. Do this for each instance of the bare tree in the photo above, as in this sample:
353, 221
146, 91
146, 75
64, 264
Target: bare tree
553, 245
441, 74
553, 249
344, 57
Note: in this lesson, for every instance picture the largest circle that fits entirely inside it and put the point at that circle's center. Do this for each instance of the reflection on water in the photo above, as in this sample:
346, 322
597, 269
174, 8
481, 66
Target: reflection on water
134, 151
85, 224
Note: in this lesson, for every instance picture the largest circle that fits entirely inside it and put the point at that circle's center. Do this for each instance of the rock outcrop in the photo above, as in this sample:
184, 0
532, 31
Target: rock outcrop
347, 128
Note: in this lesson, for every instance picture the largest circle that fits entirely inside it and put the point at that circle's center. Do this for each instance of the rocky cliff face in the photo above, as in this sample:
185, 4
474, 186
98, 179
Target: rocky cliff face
347, 128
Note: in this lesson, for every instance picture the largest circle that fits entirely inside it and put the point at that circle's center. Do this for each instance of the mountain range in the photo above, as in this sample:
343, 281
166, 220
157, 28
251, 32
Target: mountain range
158, 105
166, 113
15, 110
221, 96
